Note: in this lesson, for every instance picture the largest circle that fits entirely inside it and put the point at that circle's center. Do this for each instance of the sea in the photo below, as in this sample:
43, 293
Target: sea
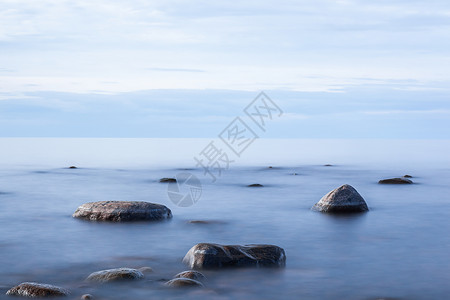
399, 249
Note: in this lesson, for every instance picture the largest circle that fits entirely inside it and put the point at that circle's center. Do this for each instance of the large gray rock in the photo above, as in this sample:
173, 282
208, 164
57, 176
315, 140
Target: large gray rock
115, 275
33, 289
344, 199
396, 181
209, 256
122, 211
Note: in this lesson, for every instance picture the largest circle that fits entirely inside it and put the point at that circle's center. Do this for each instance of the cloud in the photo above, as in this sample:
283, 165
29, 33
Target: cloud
350, 59
78, 46
286, 117
409, 112
204, 113
175, 70
6, 70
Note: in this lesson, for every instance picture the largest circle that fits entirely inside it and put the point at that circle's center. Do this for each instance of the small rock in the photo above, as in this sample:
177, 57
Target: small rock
327, 165
73, 167
206, 255
115, 274
196, 275
87, 297
122, 211
167, 180
395, 181
344, 199
33, 289
199, 222
255, 185
184, 282
206, 222
407, 176
146, 270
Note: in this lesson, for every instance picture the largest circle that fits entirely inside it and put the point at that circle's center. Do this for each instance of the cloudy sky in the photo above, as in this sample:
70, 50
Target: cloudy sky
140, 68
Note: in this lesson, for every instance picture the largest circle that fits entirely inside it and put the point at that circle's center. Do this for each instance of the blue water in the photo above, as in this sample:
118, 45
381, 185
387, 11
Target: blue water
399, 249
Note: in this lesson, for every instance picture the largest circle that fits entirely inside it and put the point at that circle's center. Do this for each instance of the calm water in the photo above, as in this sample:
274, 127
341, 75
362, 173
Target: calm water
399, 249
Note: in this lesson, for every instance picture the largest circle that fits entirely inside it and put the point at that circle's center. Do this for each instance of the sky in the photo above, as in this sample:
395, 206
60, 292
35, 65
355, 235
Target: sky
338, 69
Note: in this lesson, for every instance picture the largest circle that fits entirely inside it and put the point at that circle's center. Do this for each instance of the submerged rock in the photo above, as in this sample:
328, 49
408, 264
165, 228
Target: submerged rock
167, 180
184, 282
33, 289
407, 176
206, 222
395, 181
205, 255
255, 185
121, 211
115, 275
344, 199
196, 275
73, 167
87, 297
146, 270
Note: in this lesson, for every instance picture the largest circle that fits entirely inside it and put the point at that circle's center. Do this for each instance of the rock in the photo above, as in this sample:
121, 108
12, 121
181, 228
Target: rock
395, 181
73, 167
167, 180
328, 165
87, 297
204, 222
255, 185
344, 199
184, 282
208, 256
121, 211
191, 275
115, 275
33, 289
145, 270
407, 176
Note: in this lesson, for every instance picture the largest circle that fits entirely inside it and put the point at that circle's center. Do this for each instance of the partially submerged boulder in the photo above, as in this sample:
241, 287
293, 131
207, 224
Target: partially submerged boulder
209, 256
196, 275
118, 274
395, 181
33, 289
344, 199
184, 282
122, 211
